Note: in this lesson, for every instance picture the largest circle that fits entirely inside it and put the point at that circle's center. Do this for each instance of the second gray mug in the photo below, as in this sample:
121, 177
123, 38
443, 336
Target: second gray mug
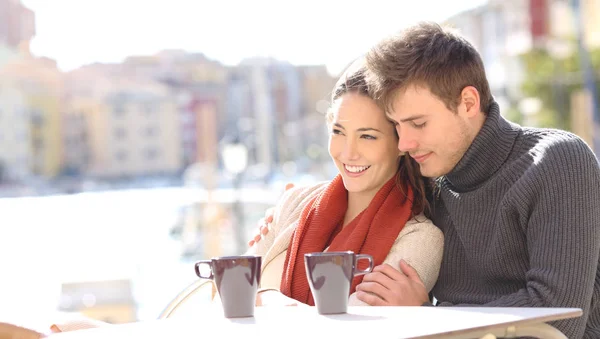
330, 276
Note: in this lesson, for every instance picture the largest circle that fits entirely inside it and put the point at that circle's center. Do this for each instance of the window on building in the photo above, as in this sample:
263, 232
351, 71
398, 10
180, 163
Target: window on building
38, 144
151, 153
118, 103
119, 110
121, 156
37, 117
151, 131
120, 133
150, 107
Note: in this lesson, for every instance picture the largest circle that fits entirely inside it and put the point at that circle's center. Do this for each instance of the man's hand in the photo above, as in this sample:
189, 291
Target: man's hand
263, 223
262, 226
386, 286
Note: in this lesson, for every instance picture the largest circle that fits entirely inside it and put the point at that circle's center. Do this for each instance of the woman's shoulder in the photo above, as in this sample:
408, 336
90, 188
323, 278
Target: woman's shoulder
296, 198
420, 223
420, 234
297, 194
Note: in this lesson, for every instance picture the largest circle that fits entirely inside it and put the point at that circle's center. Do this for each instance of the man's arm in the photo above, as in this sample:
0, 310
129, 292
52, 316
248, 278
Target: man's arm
263, 223
285, 213
417, 253
262, 247
563, 234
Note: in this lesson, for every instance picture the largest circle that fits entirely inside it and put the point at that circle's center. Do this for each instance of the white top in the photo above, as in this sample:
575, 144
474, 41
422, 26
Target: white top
359, 322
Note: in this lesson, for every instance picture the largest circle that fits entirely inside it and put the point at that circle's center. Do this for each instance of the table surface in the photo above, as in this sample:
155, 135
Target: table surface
285, 322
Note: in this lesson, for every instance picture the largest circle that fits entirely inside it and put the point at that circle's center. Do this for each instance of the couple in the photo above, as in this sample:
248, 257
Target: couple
518, 207
449, 198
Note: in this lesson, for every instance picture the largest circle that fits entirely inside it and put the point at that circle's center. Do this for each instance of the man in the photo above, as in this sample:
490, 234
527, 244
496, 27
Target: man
519, 207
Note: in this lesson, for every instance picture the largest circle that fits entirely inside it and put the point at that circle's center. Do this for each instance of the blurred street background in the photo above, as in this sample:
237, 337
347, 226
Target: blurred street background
137, 137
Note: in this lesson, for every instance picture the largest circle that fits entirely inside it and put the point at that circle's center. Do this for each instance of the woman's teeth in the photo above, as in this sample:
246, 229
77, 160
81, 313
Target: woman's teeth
356, 169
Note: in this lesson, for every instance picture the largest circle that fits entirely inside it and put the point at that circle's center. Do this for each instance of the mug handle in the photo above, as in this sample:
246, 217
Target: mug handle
368, 269
204, 262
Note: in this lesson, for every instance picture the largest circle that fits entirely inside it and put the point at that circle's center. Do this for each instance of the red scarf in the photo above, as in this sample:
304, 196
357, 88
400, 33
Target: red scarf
373, 231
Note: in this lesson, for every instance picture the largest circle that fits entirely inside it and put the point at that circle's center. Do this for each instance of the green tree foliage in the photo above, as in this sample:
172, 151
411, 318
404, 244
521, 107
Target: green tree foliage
553, 80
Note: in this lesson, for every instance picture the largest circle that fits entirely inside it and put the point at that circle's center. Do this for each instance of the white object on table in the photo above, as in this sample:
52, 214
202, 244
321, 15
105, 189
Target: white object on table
359, 322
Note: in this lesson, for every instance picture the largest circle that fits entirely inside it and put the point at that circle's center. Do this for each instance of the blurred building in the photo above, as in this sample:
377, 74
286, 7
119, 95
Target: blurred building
563, 21
500, 31
15, 145
591, 10
75, 138
272, 108
263, 114
136, 132
250, 116
17, 28
287, 106
198, 84
158, 114
202, 131
40, 81
240, 120
85, 89
44, 92
317, 85
561, 26
76, 144
265, 104
504, 30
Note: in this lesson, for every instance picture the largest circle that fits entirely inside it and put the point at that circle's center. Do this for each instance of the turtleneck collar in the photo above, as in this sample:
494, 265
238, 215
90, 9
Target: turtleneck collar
487, 153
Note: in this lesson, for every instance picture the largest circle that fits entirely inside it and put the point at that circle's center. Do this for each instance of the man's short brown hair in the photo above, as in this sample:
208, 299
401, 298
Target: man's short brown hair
429, 55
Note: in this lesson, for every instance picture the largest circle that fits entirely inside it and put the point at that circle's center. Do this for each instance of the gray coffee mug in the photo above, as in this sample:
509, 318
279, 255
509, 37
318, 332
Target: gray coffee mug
237, 279
330, 276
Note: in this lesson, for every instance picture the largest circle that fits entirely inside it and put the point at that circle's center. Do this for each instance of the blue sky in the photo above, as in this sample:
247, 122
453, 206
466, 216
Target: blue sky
330, 32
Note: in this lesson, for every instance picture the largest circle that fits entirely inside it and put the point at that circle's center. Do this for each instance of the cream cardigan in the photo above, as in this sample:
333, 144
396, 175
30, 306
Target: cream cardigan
420, 243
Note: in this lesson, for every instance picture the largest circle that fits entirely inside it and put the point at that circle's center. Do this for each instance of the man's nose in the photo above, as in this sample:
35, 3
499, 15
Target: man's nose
406, 142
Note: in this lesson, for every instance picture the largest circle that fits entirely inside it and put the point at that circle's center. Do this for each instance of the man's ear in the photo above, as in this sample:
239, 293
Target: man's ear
469, 102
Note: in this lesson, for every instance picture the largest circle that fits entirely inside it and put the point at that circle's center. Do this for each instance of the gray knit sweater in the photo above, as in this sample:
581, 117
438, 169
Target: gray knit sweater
521, 221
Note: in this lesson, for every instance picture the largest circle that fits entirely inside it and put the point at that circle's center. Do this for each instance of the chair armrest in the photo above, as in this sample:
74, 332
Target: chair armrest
185, 294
